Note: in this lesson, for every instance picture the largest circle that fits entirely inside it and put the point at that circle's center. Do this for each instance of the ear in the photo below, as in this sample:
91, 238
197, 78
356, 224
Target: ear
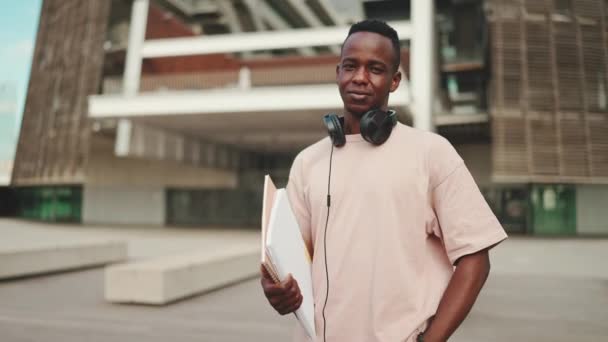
337, 72
395, 81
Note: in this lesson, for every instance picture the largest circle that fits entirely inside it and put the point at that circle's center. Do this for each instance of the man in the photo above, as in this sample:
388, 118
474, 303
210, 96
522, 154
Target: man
408, 234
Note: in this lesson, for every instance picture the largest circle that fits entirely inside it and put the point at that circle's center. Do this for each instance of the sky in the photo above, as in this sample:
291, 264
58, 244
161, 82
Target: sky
18, 26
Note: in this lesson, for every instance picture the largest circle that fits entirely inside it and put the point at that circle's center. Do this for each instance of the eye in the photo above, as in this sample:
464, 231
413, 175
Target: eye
348, 66
376, 70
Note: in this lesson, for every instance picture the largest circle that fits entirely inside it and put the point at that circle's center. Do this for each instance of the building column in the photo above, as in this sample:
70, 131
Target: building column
137, 35
132, 73
423, 64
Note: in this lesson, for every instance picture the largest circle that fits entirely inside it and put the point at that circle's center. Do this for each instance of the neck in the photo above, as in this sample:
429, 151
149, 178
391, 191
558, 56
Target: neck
352, 121
351, 124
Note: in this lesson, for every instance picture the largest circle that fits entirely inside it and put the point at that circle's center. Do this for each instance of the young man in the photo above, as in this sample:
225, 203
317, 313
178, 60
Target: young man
408, 231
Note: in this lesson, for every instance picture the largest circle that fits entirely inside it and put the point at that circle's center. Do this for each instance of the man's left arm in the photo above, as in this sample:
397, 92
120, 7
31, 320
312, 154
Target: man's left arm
469, 277
468, 229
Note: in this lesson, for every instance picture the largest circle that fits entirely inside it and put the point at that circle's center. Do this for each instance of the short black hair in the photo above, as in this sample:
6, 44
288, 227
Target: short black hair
381, 28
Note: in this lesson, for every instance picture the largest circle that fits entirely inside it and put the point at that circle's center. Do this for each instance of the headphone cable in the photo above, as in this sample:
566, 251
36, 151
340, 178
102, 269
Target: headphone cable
325, 243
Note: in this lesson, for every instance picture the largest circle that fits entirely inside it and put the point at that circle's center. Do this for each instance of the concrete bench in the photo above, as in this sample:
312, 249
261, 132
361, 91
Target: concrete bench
54, 257
162, 280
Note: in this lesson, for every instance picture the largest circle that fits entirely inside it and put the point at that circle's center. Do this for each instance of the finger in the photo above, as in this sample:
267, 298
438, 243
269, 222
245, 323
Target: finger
283, 301
299, 303
275, 290
266, 281
288, 288
286, 285
278, 303
265, 273
289, 283
291, 307
289, 303
292, 288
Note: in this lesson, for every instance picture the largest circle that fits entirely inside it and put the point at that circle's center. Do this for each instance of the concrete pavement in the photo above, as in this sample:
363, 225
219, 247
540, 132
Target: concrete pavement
539, 290
144, 242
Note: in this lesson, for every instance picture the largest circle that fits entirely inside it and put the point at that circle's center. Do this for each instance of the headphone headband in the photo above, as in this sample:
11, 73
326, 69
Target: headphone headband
376, 126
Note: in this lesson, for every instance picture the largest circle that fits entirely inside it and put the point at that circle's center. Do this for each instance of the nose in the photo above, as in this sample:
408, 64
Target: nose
360, 76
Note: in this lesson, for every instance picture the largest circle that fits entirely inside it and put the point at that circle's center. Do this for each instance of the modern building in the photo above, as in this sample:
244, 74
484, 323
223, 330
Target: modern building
548, 101
8, 130
8, 140
169, 112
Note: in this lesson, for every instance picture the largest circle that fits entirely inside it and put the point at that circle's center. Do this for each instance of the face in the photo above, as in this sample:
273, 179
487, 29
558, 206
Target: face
366, 74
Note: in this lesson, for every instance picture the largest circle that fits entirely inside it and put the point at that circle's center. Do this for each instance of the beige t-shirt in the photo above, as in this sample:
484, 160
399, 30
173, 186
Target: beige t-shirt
401, 214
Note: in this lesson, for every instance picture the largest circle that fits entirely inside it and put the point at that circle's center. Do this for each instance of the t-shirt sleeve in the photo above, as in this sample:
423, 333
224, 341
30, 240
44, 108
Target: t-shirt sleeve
297, 198
467, 224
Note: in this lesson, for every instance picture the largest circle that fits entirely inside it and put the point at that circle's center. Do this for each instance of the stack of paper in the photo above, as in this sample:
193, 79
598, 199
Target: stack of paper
270, 191
284, 251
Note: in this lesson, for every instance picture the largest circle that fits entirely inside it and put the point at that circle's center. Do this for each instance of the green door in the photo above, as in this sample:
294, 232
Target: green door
52, 204
553, 209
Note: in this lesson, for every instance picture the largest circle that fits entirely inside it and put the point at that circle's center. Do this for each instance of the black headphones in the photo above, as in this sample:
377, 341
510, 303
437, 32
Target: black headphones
376, 126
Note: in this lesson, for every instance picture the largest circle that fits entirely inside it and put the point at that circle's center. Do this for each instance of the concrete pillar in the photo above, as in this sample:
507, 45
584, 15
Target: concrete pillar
244, 78
137, 35
122, 143
423, 65
132, 74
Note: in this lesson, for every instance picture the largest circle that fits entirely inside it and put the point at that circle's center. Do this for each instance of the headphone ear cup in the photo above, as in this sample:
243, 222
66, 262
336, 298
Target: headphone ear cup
334, 129
368, 127
376, 126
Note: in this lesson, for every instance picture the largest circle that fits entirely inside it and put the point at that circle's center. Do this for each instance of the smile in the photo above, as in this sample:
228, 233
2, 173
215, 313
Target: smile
358, 96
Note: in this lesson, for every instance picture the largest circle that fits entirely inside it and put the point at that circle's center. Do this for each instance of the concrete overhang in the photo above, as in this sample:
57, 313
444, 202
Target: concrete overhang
263, 118
256, 41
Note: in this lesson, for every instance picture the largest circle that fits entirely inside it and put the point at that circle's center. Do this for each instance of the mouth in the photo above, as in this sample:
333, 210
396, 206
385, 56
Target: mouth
358, 96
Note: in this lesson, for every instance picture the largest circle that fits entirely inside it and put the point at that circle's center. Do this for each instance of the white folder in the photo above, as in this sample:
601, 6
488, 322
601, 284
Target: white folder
288, 255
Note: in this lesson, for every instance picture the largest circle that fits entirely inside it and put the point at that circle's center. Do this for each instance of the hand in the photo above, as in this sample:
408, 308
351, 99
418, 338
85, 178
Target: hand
285, 297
